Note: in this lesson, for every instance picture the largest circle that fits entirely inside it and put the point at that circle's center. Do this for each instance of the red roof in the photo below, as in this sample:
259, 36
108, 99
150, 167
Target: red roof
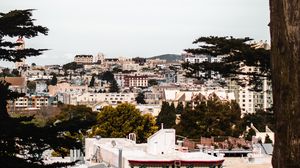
176, 162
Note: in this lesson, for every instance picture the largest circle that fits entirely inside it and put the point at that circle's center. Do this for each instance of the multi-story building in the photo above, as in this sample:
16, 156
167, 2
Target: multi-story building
136, 81
83, 59
28, 102
100, 98
250, 101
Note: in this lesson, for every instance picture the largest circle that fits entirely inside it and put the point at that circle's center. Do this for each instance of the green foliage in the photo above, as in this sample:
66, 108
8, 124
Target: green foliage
15, 72
118, 122
259, 119
78, 118
108, 76
31, 85
92, 82
268, 139
18, 23
72, 66
249, 134
113, 87
210, 117
239, 53
140, 99
152, 82
179, 108
81, 112
53, 80
21, 142
167, 116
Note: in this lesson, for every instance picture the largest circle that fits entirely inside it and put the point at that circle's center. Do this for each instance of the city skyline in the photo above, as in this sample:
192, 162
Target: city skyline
134, 28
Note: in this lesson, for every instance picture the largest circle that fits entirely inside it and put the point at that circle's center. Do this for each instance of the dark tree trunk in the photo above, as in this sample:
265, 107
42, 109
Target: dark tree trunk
285, 42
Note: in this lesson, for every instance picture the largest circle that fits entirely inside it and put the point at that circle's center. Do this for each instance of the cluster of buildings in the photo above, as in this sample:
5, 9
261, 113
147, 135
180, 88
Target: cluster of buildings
159, 80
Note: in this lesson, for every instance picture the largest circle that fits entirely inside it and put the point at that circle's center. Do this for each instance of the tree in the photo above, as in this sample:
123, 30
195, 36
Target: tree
140, 98
108, 76
92, 82
268, 139
15, 72
31, 85
260, 119
23, 143
285, 50
53, 80
179, 108
74, 115
251, 132
152, 82
210, 117
113, 87
167, 116
236, 53
72, 66
118, 122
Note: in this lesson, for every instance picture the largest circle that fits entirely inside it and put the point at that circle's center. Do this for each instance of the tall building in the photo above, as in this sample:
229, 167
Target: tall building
20, 41
99, 58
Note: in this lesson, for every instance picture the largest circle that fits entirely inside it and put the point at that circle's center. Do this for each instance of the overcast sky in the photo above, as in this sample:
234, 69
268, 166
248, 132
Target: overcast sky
132, 28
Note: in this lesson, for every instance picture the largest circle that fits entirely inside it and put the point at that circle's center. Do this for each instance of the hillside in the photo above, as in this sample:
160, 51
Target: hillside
168, 57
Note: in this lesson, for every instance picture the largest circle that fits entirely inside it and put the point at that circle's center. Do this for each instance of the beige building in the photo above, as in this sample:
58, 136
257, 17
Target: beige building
100, 98
83, 59
67, 88
28, 103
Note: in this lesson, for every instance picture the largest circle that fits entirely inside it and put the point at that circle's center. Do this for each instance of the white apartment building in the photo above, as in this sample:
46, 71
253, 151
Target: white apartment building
108, 98
251, 101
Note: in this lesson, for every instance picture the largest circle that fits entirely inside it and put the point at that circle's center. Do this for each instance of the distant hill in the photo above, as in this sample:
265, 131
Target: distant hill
168, 57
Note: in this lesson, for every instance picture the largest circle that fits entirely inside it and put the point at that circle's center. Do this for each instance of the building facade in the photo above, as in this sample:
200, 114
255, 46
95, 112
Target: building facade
83, 59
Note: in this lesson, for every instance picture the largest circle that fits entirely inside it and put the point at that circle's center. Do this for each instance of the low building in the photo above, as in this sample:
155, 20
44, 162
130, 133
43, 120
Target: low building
159, 151
107, 98
17, 84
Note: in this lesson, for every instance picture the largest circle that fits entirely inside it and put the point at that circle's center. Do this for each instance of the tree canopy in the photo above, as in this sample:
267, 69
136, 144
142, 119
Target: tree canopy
210, 117
237, 54
72, 66
167, 116
140, 98
118, 122
114, 87
21, 142
53, 81
92, 81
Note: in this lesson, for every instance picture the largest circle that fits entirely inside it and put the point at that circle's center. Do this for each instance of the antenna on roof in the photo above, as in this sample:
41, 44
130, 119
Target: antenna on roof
162, 125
